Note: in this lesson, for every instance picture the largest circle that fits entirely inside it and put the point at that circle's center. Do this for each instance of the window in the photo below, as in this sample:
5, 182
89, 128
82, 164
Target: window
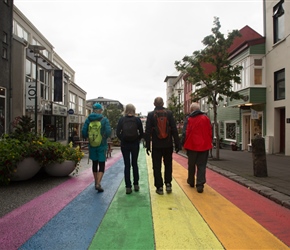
2, 110
72, 101
230, 131
258, 76
44, 84
279, 85
278, 21
19, 31
81, 106
4, 37
4, 53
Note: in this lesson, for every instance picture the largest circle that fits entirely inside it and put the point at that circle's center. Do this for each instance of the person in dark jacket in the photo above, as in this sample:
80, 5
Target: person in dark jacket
130, 145
197, 140
161, 148
98, 154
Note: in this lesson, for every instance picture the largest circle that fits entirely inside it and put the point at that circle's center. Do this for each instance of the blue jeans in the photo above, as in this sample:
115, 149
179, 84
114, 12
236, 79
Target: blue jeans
130, 152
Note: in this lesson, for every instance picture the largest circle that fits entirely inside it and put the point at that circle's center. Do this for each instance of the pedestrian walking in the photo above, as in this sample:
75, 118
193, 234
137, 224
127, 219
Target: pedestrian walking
197, 140
161, 130
130, 132
97, 129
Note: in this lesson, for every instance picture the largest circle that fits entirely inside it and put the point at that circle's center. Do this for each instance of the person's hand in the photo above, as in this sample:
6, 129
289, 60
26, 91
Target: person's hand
177, 149
148, 151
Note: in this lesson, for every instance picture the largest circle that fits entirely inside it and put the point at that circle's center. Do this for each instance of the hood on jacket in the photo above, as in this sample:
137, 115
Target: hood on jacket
195, 113
95, 117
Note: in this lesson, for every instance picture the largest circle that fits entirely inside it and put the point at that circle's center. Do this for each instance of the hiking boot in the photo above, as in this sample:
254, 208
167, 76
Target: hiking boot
199, 189
99, 188
168, 188
159, 190
128, 190
136, 188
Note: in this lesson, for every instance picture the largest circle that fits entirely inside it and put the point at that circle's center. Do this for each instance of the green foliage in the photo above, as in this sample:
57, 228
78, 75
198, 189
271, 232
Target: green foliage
23, 143
113, 113
176, 108
214, 56
211, 71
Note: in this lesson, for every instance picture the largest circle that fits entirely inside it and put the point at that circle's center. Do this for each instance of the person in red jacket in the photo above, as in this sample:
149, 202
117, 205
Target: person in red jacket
197, 140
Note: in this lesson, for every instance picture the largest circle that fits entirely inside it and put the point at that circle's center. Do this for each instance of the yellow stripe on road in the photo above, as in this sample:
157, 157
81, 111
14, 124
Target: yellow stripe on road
234, 228
177, 224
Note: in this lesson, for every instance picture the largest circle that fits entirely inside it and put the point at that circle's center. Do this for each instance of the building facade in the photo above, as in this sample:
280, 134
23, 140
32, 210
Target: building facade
6, 20
56, 103
277, 31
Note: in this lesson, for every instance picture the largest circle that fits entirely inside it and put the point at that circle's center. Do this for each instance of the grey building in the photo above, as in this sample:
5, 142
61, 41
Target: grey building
6, 20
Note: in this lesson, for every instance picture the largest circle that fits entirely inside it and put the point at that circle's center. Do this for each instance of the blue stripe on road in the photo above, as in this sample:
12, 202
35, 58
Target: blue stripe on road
75, 226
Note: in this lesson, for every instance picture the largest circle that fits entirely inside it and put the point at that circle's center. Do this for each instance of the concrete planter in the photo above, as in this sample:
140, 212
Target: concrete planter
60, 169
26, 169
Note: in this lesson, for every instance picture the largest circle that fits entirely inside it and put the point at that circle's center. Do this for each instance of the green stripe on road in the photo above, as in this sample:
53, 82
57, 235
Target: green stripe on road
128, 221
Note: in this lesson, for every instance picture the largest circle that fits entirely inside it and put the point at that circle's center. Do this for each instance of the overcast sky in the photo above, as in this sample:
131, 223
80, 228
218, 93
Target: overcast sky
123, 50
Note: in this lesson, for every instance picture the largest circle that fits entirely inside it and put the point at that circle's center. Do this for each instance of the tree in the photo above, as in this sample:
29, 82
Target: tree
113, 113
210, 70
176, 108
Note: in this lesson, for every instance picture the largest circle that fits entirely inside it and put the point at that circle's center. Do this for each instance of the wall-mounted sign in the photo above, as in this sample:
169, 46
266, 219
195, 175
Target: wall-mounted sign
59, 109
287, 120
71, 111
30, 95
73, 119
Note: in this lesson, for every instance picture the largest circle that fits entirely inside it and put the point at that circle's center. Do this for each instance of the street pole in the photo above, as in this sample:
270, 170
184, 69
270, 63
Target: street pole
35, 104
36, 50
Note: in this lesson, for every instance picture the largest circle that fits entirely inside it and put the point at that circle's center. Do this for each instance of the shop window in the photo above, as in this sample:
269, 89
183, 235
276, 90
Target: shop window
279, 85
230, 131
2, 110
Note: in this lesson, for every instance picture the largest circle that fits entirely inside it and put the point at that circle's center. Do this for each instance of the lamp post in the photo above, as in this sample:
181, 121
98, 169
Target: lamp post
36, 50
179, 103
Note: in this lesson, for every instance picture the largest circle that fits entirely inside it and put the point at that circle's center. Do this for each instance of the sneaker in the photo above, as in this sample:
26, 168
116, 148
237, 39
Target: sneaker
136, 188
159, 190
168, 188
128, 190
99, 188
199, 189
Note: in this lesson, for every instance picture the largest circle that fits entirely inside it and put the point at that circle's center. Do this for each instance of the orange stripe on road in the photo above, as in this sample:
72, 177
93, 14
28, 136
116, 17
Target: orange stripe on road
234, 228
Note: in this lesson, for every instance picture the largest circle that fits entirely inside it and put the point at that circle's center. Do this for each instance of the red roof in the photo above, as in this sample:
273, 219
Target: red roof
249, 37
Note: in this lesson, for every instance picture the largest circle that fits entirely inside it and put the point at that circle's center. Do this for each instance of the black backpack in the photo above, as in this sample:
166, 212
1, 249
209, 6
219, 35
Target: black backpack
130, 129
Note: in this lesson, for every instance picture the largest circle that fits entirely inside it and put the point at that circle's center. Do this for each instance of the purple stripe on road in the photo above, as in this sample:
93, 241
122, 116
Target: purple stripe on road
22, 223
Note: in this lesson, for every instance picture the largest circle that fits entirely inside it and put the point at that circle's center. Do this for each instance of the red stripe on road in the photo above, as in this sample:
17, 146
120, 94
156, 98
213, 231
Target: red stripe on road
272, 216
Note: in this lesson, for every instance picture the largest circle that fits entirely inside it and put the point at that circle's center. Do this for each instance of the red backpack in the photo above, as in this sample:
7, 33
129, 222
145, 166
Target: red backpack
161, 123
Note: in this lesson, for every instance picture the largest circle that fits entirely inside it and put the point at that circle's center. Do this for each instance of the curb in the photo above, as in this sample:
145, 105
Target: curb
271, 194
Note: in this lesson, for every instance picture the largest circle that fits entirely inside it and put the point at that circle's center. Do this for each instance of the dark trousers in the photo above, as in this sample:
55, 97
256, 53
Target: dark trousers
157, 155
130, 153
197, 160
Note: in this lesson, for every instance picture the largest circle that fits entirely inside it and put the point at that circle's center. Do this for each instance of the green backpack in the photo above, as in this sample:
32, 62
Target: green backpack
95, 137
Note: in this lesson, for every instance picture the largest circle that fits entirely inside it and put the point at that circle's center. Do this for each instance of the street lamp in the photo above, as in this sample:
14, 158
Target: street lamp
179, 103
36, 50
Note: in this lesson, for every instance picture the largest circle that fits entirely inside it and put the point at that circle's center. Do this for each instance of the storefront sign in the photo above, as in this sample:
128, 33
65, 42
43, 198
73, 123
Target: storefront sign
71, 111
59, 110
73, 119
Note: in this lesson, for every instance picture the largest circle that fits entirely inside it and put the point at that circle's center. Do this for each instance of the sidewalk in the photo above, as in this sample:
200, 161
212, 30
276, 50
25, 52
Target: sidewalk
238, 166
